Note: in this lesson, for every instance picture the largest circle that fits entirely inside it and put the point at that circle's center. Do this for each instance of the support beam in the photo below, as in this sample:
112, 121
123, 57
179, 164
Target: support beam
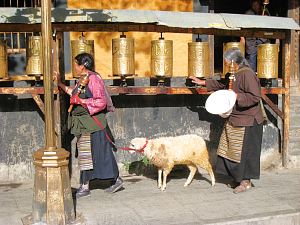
135, 90
125, 27
272, 106
286, 98
39, 102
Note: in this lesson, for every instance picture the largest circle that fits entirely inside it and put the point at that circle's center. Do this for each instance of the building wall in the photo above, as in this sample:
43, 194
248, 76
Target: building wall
22, 126
22, 132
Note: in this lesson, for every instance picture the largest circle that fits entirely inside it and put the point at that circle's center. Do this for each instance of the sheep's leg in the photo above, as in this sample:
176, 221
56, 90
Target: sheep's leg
211, 174
193, 170
159, 178
210, 171
165, 174
164, 184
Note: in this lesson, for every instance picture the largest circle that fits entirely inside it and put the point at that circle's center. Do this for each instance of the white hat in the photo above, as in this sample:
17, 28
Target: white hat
221, 102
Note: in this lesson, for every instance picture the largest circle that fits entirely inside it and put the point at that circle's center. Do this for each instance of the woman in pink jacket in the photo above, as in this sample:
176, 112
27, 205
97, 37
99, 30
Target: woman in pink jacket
88, 123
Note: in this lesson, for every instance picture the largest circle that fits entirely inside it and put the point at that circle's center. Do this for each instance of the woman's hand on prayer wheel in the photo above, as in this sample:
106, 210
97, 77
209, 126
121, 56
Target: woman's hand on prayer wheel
197, 81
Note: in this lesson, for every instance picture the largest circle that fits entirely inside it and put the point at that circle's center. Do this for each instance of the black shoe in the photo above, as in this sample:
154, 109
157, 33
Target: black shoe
115, 187
81, 192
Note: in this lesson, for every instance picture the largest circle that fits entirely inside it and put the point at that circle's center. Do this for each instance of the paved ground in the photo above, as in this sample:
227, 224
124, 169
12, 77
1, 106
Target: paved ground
274, 200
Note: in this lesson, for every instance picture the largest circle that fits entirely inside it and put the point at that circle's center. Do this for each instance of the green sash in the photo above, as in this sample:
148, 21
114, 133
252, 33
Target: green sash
81, 122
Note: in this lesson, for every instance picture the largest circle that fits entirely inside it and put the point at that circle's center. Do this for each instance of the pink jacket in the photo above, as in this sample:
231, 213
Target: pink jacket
99, 101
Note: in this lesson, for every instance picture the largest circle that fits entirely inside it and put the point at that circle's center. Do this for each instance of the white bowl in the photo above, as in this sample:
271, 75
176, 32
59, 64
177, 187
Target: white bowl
221, 102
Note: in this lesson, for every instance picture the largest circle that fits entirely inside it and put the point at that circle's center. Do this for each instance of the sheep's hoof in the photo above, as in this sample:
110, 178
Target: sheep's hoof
163, 189
186, 184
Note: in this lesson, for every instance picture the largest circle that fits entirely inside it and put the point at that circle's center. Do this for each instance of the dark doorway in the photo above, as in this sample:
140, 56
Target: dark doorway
275, 8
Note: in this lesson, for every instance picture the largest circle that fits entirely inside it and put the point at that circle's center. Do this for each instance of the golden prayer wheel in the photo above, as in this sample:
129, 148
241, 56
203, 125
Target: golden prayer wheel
267, 61
3, 60
81, 46
123, 56
162, 58
230, 45
34, 65
198, 59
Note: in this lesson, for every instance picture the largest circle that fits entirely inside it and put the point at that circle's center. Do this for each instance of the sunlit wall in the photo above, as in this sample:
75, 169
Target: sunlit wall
102, 40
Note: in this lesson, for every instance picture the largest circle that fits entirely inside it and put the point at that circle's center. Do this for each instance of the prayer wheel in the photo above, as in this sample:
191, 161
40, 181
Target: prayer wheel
198, 59
162, 58
123, 56
230, 45
81, 46
34, 65
267, 61
3, 60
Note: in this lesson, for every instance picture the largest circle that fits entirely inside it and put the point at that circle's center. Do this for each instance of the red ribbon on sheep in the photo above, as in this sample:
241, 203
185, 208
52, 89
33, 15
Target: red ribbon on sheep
141, 150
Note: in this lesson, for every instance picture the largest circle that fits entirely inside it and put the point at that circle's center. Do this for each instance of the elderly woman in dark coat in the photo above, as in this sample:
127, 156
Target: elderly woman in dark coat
240, 143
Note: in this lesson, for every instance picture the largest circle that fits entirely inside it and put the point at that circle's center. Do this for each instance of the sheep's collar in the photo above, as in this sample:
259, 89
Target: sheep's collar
141, 150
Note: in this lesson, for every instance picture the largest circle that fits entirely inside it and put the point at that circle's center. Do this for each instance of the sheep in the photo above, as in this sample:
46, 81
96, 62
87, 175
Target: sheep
165, 152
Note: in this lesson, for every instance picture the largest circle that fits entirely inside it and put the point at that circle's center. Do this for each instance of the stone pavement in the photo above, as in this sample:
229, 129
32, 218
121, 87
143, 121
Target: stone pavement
275, 200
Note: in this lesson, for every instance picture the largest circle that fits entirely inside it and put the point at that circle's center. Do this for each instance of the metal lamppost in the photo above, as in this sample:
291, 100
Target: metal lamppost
52, 197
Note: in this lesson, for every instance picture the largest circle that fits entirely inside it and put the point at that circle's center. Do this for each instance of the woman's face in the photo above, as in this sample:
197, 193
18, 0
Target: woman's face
78, 68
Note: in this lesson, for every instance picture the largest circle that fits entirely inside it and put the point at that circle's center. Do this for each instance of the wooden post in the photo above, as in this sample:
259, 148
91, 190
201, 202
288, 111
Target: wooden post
59, 102
286, 97
293, 12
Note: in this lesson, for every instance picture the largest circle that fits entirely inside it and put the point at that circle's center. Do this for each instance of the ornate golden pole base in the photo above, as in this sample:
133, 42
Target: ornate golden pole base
52, 197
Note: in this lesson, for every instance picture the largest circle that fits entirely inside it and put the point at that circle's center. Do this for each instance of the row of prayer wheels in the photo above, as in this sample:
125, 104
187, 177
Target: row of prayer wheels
267, 58
123, 59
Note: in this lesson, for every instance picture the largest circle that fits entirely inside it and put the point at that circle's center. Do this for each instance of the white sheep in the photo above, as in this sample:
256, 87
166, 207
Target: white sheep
165, 152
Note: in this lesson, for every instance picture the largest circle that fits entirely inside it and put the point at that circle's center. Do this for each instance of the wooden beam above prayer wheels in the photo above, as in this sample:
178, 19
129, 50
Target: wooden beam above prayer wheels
134, 90
125, 27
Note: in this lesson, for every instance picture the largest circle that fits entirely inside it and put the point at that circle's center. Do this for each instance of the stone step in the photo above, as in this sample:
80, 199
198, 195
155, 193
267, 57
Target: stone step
285, 218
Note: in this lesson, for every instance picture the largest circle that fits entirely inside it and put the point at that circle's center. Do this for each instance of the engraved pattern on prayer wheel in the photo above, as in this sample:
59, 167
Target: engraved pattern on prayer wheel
198, 59
230, 45
162, 58
3, 60
81, 46
267, 61
34, 56
123, 63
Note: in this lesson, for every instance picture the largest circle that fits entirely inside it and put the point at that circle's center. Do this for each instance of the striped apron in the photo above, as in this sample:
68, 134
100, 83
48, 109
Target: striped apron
85, 159
231, 142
